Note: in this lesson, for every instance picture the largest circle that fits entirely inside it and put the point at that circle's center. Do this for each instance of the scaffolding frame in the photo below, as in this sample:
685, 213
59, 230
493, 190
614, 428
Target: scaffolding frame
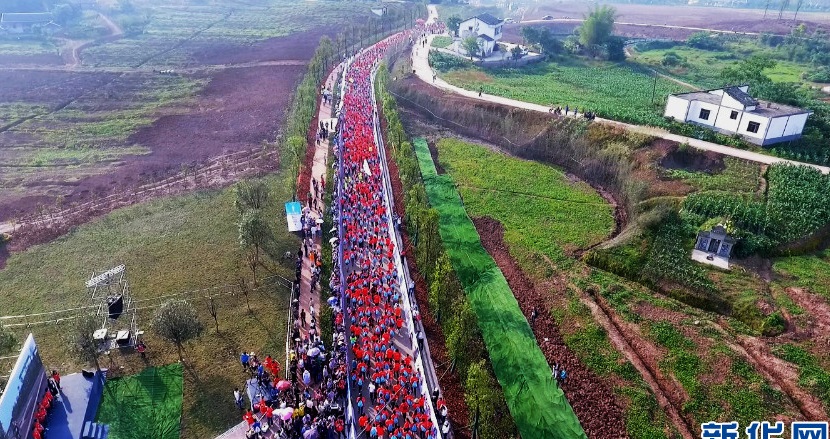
103, 288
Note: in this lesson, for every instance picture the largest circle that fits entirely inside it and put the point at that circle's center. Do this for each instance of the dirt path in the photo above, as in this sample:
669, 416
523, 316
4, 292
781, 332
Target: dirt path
593, 401
115, 30
663, 26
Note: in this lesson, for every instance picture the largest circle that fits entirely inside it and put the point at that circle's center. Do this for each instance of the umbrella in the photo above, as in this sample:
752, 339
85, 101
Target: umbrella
313, 352
287, 413
420, 21
283, 385
319, 220
332, 301
333, 240
311, 433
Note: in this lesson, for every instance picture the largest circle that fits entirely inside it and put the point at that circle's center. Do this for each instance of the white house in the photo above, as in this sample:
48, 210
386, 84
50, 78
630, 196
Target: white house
485, 27
23, 22
732, 110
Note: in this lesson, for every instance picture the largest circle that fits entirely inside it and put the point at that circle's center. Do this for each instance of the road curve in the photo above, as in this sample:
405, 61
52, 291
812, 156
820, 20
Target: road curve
420, 64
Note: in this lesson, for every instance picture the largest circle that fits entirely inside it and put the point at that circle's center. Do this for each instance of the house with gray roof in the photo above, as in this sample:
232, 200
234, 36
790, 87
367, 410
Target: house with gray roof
732, 110
485, 27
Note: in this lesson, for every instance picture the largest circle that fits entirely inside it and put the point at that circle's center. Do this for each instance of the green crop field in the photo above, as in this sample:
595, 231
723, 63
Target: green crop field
542, 210
616, 91
441, 41
169, 245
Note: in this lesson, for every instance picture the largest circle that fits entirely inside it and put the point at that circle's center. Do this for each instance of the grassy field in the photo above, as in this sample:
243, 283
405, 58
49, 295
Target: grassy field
702, 67
169, 246
543, 211
617, 91
811, 272
717, 382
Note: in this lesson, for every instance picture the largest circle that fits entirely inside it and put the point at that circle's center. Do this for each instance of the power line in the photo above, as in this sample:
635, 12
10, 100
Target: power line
285, 283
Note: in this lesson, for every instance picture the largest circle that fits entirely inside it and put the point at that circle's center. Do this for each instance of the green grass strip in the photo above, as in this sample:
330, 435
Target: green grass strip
147, 405
538, 406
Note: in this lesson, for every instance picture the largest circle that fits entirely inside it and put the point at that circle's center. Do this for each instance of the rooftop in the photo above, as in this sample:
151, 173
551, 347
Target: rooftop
741, 96
487, 19
700, 96
762, 108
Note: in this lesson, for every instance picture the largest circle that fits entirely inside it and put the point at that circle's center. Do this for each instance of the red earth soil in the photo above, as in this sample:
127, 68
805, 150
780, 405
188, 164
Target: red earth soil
238, 109
450, 382
730, 19
592, 400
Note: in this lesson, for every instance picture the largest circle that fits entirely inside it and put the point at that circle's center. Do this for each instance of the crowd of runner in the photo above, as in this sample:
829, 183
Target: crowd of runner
379, 367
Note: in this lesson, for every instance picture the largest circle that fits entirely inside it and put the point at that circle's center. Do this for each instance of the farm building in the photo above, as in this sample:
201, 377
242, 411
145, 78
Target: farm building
732, 110
714, 247
485, 27
24, 22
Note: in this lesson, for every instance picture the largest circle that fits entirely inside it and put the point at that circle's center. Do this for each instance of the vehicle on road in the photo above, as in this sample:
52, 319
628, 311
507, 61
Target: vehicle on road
547, 17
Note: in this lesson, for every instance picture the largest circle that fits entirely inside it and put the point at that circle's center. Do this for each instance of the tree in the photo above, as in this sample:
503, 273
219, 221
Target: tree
177, 322
704, 40
214, 311
250, 194
243, 288
81, 342
797, 8
453, 23
749, 71
531, 35
7, 341
296, 149
598, 26
255, 236
63, 13
615, 46
470, 45
516, 53
784, 4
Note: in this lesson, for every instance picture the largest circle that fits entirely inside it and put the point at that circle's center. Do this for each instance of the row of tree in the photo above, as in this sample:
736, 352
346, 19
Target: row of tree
490, 418
593, 38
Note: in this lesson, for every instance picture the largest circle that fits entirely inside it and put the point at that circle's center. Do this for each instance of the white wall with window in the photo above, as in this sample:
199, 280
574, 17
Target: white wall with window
702, 113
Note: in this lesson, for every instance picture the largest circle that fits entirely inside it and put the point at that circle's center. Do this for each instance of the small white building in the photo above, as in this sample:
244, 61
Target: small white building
24, 22
485, 27
732, 110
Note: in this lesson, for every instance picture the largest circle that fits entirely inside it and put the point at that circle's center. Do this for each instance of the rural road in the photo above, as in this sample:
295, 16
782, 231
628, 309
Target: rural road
420, 63
664, 26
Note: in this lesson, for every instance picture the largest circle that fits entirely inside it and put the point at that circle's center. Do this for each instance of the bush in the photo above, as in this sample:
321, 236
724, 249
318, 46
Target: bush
773, 325
705, 41
822, 74
671, 59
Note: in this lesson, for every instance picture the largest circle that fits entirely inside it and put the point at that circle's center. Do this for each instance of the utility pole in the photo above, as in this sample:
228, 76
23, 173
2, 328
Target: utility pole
654, 88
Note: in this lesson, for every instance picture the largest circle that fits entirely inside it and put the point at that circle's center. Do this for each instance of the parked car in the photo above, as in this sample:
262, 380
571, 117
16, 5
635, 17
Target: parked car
509, 20
547, 17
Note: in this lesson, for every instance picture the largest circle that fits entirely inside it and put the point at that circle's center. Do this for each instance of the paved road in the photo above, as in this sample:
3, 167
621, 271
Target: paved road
422, 69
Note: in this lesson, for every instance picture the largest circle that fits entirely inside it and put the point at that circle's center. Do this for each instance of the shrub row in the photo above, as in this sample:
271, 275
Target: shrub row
447, 300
